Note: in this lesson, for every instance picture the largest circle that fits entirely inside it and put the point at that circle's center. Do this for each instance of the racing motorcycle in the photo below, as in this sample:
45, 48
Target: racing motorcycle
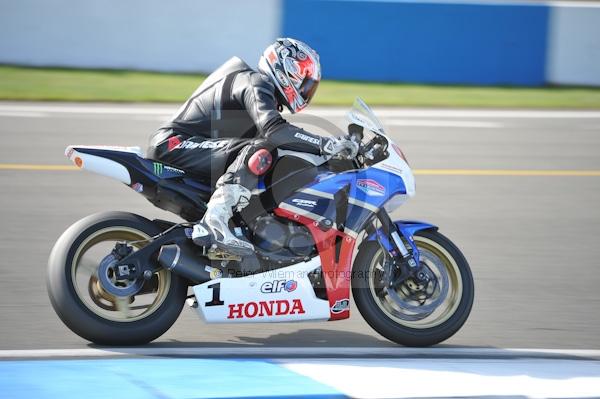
321, 228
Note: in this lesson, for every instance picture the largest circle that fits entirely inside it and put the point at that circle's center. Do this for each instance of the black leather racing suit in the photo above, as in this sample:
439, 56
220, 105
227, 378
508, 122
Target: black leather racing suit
231, 114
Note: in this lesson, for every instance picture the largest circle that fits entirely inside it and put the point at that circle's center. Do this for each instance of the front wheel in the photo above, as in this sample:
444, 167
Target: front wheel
93, 313
415, 318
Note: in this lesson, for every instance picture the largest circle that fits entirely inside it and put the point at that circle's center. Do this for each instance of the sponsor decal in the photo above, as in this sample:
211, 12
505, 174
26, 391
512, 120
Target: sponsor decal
137, 187
307, 138
329, 146
391, 168
370, 187
252, 310
191, 145
305, 203
71, 151
173, 143
272, 287
173, 170
158, 168
340, 306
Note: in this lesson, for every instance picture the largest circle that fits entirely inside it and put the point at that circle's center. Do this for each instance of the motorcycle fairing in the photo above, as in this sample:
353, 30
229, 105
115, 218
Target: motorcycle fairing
335, 253
361, 201
335, 210
279, 295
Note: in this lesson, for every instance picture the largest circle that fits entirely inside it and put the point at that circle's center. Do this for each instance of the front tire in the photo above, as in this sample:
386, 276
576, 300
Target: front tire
401, 322
86, 308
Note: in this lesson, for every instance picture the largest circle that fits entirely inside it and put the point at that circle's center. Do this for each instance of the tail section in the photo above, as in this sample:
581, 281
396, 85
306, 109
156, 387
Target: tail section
98, 159
165, 186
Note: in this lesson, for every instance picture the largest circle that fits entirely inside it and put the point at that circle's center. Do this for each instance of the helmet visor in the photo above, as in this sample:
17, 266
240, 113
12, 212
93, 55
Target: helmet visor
308, 88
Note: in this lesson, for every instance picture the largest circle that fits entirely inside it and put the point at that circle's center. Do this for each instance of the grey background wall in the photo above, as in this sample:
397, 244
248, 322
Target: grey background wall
173, 35
574, 44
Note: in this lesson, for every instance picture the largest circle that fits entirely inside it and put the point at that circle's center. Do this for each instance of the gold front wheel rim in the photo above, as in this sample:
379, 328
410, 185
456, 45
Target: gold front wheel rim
433, 254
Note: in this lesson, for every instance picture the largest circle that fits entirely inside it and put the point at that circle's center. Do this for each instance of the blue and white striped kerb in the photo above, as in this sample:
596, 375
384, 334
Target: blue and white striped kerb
385, 372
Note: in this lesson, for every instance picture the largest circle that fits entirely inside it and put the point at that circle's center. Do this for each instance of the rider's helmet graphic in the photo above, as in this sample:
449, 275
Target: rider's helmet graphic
294, 69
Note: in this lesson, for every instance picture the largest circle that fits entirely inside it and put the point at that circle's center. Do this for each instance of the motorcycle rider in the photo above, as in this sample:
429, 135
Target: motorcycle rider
236, 110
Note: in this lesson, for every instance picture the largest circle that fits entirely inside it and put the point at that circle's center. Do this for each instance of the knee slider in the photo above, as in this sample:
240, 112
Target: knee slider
260, 162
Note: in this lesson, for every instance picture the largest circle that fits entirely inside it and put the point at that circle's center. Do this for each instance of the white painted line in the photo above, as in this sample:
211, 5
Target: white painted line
584, 4
22, 114
443, 123
89, 109
383, 112
412, 378
467, 113
304, 351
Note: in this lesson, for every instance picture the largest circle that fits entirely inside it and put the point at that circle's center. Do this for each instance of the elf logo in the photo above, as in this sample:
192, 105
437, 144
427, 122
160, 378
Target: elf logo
272, 287
252, 310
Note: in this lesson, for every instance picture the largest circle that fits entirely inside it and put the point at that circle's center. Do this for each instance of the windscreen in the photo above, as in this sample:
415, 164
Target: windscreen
361, 115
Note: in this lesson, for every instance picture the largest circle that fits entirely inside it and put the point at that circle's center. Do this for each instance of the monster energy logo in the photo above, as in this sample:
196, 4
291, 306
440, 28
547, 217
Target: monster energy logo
158, 168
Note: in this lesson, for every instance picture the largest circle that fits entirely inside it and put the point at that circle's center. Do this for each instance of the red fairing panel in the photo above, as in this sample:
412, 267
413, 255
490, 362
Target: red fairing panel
337, 274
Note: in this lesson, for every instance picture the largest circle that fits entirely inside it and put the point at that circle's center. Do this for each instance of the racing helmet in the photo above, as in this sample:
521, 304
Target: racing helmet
295, 70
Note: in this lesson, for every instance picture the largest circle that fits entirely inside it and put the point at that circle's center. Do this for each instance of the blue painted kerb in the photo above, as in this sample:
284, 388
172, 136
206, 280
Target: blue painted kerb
148, 378
430, 42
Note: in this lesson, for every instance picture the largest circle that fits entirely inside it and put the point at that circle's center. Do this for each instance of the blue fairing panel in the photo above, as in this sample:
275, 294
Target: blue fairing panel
372, 186
407, 228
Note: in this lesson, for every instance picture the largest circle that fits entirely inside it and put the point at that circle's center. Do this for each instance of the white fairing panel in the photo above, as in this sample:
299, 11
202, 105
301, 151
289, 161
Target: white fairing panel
398, 166
133, 150
280, 295
99, 165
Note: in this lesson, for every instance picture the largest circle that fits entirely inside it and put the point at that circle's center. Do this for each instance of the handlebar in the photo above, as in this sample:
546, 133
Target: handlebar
372, 151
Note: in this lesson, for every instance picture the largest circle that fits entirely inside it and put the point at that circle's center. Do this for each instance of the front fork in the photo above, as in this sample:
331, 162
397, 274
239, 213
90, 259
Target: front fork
404, 263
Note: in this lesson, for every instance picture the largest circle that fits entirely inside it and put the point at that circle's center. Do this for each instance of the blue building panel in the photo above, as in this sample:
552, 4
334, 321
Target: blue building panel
424, 42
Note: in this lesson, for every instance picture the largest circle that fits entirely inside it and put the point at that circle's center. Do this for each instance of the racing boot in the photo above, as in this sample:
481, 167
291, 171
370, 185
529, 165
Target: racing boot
214, 226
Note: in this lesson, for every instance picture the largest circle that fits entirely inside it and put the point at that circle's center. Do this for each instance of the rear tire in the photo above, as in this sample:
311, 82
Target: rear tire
404, 328
107, 323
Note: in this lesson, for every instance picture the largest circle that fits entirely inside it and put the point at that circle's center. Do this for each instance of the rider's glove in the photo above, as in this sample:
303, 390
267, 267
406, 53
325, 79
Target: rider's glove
343, 148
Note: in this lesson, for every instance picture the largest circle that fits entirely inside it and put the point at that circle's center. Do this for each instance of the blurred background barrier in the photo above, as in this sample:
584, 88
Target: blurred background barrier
440, 42
426, 42
574, 44
154, 35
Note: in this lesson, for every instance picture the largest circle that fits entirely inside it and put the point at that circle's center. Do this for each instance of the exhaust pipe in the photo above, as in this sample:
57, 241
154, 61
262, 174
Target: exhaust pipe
181, 260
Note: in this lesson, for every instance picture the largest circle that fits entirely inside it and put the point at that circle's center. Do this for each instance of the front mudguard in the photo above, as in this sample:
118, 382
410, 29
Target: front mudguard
407, 229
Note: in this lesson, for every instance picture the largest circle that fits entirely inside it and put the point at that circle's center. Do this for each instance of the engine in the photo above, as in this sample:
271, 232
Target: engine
282, 241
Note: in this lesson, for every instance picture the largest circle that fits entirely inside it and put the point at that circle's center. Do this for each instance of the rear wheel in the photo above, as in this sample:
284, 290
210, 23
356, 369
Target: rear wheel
86, 307
413, 315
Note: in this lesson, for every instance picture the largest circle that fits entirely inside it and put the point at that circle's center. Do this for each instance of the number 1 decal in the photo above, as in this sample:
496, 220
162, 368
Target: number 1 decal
216, 299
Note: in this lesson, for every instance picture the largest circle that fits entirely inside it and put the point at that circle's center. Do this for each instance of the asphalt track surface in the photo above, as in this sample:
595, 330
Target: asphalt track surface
532, 238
